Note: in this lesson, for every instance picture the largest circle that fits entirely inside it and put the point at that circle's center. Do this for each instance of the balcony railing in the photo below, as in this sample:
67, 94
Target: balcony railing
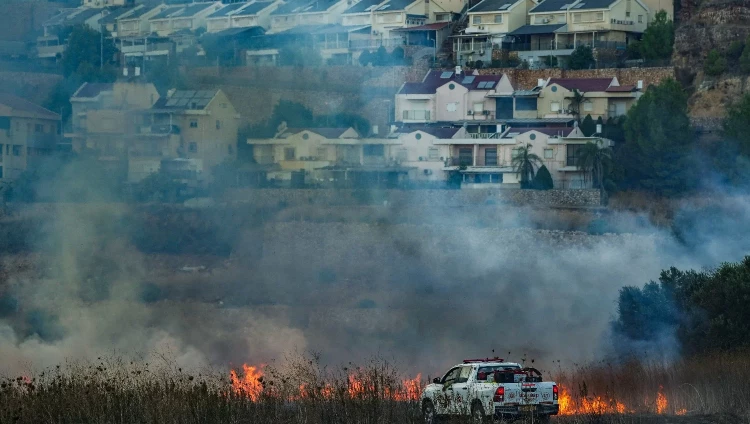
375, 43
560, 45
416, 115
265, 159
373, 161
340, 44
467, 161
467, 46
484, 136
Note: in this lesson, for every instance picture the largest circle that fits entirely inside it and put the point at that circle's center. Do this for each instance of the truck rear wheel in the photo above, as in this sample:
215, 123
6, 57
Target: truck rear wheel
428, 413
477, 413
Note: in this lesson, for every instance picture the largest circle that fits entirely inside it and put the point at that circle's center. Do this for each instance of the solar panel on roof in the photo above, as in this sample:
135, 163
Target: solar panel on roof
482, 84
385, 6
182, 102
565, 6
201, 103
171, 102
503, 7
489, 84
178, 94
468, 80
446, 75
189, 93
578, 6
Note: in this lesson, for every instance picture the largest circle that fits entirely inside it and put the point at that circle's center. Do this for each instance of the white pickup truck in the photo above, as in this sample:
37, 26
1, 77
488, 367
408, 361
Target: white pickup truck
490, 388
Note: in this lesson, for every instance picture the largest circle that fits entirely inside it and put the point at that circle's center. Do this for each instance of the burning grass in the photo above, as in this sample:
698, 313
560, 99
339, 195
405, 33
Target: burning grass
709, 389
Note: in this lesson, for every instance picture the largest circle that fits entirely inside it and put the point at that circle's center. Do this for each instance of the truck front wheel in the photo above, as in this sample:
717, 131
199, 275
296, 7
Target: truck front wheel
477, 413
428, 412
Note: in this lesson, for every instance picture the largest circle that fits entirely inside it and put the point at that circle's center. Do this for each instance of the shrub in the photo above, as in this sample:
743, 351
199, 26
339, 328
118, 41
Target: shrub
715, 64
542, 179
581, 58
365, 58
735, 50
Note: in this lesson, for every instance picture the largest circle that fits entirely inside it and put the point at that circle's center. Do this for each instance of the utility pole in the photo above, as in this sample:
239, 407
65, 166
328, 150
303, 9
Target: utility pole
101, 48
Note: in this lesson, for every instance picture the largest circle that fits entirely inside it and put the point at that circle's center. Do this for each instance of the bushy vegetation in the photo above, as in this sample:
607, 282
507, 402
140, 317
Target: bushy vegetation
581, 58
658, 39
706, 310
715, 64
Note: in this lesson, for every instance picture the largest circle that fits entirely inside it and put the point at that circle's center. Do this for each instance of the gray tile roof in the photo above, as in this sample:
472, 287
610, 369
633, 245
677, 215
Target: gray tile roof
363, 6
559, 5
536, 29
166, 12
114, 15
226, 10
193, 10
304, 6
253, 8
137, 13
493, 5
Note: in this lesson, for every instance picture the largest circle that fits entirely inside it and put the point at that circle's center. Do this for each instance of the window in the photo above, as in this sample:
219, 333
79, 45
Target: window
321, 153
433, 153
442, 17
627, 14
478, 108
373, 150
16, 150
289, 153
193, 123
576, 18
4, 123
554, 107
1, 153
532, 136
452, 376
498, 19
516, 152
640, 19
573, 154
600, 16
193, 147
477, 19
218, 124
526, 103
490, 157
418, 136
549, 153
465, 156
1, 172
463, 376
588, 106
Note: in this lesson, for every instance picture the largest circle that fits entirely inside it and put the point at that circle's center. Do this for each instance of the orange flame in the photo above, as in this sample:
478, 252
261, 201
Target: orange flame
250, 385
603, 405
661, 402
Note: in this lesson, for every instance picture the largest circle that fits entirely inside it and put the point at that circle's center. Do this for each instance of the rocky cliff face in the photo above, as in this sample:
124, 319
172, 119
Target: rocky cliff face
703, 26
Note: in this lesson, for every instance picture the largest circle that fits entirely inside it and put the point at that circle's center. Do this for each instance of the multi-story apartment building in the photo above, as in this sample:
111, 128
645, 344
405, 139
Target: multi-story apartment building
28, 132
136, 23
557, 27
489, 22
188, 17
602, 98
50, 45
306, 12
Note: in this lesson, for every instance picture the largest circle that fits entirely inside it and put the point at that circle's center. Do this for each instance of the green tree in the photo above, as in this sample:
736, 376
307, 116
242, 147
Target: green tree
737, 124
89, 54
542, 179
581, 58
292, 55
745, 57
657, 153
381, 57
575, 103
397, 56
596, 162
715, 64
658, 39
588, 126
165, 75
365, 58
523, 164
735, 50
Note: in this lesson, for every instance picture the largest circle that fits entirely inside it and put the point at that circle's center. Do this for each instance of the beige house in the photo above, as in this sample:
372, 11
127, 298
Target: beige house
488, 24
420, 151
306, 12
557, 27
28, 132
447, 96
50, 46
602, 97
489, 162
136, 23
106, 3
197, 126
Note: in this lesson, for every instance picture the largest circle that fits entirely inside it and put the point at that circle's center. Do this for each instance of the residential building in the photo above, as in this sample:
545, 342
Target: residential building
489, 22
447, 96
241, 15
109, 22
420, 151
198, 126
489, 162
28, 132
189, 17
136, 23
50, 45
602, 98
330, 156
104, 116
306, 12
557, 27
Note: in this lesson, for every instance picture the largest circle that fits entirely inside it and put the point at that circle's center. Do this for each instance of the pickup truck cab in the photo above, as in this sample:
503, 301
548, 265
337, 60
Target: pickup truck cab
489, 388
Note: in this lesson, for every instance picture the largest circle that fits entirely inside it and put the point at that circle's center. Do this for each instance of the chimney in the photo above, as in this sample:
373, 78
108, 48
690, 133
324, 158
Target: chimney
598, 128
640, 84
458, 70
540, 82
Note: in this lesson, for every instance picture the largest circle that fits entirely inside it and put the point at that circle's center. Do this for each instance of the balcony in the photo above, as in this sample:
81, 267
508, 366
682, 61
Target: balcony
562, 45
373, 161
375, 43
484, 136
159, 130
331, 45
265, 160
416, 115
468, 161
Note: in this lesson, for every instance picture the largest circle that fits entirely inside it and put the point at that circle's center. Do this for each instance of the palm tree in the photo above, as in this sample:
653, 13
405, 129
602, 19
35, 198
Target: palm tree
575, 103
595, 160
523, 163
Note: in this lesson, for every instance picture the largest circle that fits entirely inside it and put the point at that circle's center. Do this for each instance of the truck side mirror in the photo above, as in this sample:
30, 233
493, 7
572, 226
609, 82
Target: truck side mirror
436, 380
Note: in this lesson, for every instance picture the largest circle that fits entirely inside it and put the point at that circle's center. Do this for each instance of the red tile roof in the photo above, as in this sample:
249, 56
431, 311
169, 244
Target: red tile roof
583, 84
439, 132
22, 106
432, 81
